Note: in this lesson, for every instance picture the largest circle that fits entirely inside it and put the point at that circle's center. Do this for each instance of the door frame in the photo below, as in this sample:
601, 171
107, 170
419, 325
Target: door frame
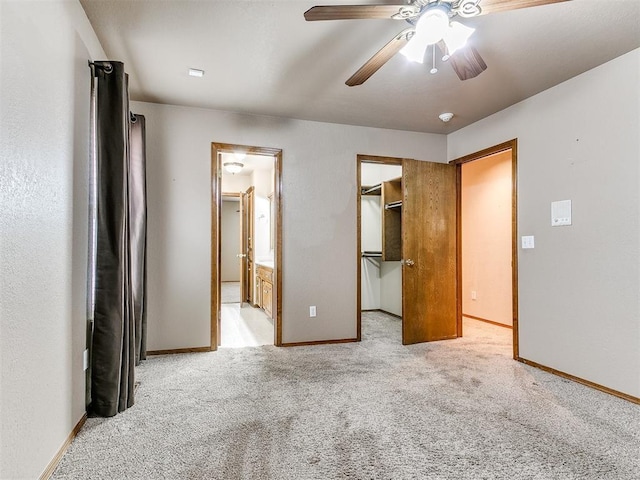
216, 199
360, 159
502, 147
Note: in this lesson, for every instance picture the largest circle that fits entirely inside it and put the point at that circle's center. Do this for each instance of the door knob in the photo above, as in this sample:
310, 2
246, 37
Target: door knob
408, 262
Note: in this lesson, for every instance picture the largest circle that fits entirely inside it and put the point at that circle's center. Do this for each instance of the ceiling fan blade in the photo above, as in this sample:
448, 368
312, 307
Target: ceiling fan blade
497, 6
467, 63
380, 58
360, 12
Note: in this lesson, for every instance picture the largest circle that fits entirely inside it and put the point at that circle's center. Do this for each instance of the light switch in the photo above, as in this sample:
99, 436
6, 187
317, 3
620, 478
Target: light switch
561, 213
528, 241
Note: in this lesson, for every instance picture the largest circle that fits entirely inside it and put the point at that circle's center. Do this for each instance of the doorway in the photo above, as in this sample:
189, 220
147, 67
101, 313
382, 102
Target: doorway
380, 299
419, 232
487, 239
246, 197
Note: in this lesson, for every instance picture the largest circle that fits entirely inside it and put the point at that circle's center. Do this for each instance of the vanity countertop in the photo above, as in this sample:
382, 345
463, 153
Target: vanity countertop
265, 263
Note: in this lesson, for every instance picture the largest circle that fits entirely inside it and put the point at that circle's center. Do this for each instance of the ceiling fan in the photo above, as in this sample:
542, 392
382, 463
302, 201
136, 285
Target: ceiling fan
431, 24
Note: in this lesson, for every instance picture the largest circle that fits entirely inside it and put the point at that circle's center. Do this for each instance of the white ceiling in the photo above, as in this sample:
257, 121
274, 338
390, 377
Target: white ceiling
262, 57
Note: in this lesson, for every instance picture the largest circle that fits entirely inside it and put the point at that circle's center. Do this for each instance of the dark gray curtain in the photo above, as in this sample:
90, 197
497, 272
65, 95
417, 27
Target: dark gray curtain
118, 218
138, 231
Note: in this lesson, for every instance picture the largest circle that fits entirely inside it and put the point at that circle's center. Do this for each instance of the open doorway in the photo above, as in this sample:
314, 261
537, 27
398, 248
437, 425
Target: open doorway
380, 283
243, 322
487, 242
418, 241
246, 280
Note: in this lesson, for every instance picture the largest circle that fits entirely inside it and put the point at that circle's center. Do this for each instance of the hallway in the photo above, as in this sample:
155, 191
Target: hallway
245, 326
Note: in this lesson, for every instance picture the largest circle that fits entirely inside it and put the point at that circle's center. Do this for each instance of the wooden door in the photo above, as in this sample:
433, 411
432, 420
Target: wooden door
428, 251
243, 248
247, 251
244, 236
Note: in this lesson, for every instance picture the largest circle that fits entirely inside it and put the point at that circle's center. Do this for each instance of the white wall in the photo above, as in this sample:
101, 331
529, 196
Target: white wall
235, 183
230, 245
371, 240
579, 308
391, 287
263, 185
319, 216
44, 143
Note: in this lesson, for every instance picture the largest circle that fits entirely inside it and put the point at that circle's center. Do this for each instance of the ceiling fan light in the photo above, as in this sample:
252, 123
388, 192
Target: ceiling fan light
414, 49
456, 36
433, 25
233, 167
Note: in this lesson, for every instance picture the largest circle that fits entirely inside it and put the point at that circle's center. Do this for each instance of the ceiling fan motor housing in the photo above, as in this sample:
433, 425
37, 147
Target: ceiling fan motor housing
464, 8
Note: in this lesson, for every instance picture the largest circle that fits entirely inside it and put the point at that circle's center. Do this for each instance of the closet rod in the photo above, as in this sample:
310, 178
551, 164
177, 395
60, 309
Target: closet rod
372, 189
371, 254
393, 205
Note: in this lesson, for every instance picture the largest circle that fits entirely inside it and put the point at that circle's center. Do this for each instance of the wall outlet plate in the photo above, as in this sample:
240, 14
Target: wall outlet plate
312, 311
528, 241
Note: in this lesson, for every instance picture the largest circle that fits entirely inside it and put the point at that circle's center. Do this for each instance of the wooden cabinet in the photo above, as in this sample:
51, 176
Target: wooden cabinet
267, 298
264, 278
392, 220
391, 204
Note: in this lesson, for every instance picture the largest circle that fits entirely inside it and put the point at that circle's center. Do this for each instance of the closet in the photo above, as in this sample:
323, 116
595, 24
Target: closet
381, 241
407, 244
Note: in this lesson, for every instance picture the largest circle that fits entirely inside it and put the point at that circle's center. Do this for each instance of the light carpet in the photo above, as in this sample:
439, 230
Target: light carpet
458, 409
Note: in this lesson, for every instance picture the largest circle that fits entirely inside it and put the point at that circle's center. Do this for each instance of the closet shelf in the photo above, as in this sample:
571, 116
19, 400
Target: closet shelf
391, 205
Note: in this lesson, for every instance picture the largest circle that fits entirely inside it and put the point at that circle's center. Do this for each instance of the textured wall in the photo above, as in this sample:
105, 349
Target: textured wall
43, 228
319, 216
486, 238
579, 307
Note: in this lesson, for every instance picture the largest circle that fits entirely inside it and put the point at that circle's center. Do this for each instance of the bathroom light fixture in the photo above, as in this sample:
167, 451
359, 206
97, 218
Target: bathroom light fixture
233, 167
194, 72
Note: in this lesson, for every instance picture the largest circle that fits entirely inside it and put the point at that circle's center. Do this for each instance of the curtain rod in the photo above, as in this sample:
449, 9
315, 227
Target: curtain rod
108, 68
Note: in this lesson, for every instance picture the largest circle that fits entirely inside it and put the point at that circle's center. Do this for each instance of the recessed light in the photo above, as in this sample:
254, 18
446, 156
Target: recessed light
194, 72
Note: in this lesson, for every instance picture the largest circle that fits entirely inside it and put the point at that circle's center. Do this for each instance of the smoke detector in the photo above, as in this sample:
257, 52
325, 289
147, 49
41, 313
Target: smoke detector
445, 117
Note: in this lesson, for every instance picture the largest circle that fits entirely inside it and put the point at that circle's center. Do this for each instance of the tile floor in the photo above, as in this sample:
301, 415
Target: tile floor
245, 327
230, 292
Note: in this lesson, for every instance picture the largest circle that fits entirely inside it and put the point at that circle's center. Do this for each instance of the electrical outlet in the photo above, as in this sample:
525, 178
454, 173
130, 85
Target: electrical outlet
85, 359
474, 295
528, 241
312, 311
